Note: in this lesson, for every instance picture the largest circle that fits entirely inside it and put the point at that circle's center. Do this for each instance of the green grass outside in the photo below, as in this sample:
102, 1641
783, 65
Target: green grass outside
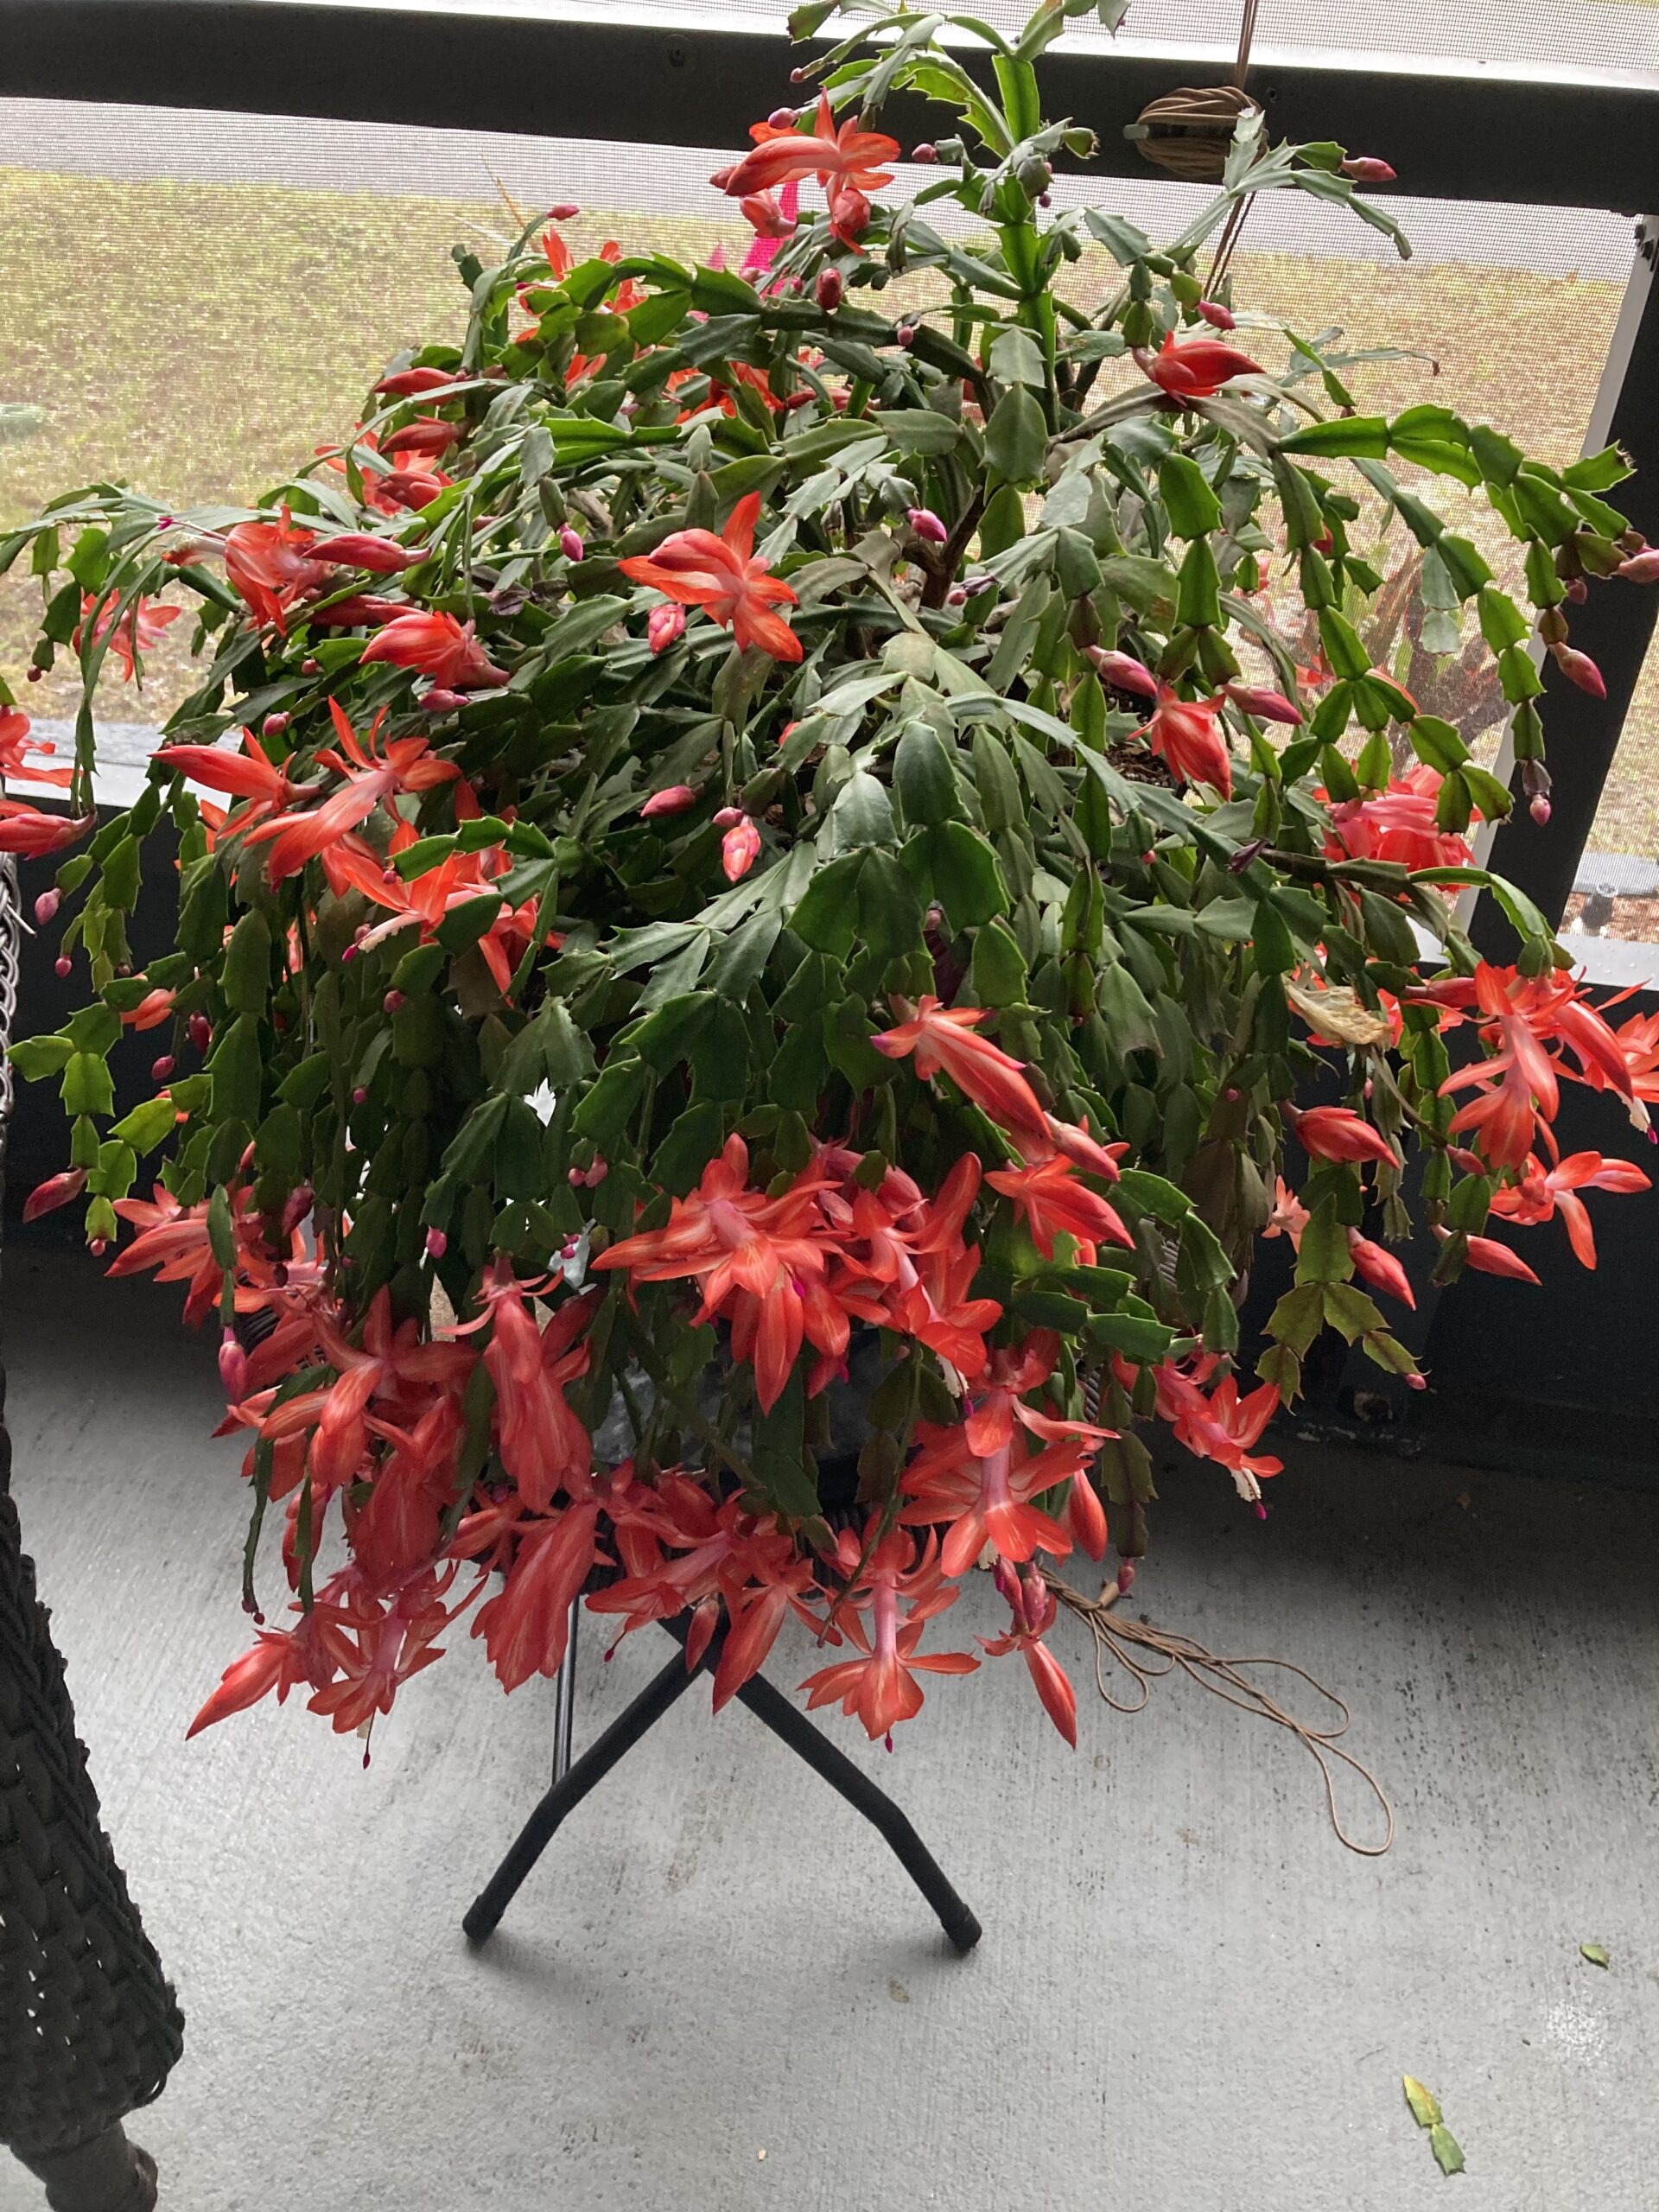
202, 339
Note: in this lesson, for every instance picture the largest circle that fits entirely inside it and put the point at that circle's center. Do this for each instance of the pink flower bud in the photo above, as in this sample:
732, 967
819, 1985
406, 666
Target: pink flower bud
1580, 669
926, 153
596, 1174
62, 965
296, 1206
739, 849
1219, 317
1123, 672
200, 1030
1266, 706
160, 1069
570, 544
440, 700
674, 800
275, 725
827, 289
47, 904
359, 1097
927, 525
56, 1190
1576, 590
437, 1243
1642, 568
564, 211
728, 817
957, 596
393, 1002
663, 624
1365, 169
573, 1177
36, 674
1539, 809
1125, 1578
784, 118
233, 1366
98, 1246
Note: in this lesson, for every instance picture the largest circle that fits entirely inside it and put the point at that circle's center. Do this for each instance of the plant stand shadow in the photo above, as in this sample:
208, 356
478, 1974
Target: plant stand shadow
573, 1782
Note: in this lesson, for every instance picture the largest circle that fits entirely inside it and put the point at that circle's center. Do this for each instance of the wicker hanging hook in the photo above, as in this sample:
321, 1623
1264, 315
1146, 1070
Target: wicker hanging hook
1186, 133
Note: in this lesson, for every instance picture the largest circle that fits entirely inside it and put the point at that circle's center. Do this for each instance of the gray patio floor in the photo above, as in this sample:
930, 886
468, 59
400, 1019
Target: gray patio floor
718, 1992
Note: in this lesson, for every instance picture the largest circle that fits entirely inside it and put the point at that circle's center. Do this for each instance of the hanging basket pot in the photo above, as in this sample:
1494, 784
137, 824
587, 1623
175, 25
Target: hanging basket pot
1186, 133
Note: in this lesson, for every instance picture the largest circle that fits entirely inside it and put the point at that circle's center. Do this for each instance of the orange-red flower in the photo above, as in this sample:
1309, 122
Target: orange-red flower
407, 764
1034, 1607
462, 880
761, 1261
1050, 1198
134, 633
1187, 734
271, 564
1194, 368
844, 158
1397, 824
17, 745
526, 1626
982, 1474
1337, 1133
880, 1687
1543, 1193
1518, 1016
25, 829
1221, 1427
435, 645
942, 1040
721, 575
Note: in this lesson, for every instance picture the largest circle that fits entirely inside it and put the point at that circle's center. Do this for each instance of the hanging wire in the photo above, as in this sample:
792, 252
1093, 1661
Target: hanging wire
1146, 1653
1240, 212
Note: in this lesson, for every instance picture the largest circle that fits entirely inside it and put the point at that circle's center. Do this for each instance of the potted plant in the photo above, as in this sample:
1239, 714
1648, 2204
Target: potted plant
752, 820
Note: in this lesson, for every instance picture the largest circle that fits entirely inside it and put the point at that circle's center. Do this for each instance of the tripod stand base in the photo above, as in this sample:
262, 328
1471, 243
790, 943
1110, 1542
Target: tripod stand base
794, 1728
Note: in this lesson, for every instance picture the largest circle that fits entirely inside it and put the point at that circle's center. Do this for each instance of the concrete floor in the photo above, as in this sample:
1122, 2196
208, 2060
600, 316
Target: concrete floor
718, 1993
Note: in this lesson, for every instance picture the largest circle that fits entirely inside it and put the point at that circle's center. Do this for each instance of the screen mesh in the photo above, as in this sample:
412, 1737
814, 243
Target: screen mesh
197, 302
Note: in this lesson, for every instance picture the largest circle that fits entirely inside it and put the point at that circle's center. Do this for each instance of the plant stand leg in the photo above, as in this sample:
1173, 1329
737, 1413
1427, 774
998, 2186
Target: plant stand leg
794, 1729
565, 1698
109, 2174
595, 1763
808, 1743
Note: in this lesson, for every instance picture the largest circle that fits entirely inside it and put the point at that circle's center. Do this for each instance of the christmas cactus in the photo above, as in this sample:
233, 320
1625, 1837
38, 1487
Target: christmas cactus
765, 857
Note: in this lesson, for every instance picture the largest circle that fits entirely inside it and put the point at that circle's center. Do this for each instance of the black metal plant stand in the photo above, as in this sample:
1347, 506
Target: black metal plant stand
573, 1782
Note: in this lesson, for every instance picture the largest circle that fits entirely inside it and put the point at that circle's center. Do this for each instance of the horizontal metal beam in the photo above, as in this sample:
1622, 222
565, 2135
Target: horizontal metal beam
1453, 130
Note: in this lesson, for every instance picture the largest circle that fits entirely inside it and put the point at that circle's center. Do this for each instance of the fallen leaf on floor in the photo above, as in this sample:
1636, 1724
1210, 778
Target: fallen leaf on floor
1444, 2143
1596, 1953
1425, 2105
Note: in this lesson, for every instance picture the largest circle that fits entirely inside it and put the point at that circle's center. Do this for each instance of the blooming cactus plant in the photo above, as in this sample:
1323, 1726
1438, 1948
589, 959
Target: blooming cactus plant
755, 829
